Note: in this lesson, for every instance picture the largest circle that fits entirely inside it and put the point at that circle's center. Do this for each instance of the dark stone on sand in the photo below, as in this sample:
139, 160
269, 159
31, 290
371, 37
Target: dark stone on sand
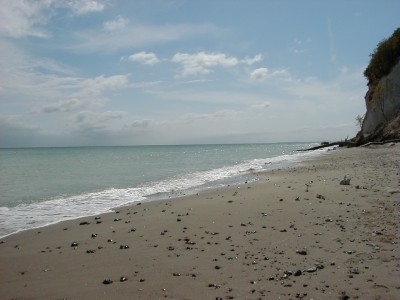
354, 271
176, 274
94, 235
298, 273
344, 296
90, 251
217, 267
74, 244
123, 278
84, 223
142, 280
107, 281
124, 247
301, 252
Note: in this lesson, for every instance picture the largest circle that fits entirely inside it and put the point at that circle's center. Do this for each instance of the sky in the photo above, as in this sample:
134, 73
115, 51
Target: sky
152, 72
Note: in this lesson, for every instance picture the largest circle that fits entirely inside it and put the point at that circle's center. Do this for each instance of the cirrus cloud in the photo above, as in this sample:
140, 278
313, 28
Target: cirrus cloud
116, 24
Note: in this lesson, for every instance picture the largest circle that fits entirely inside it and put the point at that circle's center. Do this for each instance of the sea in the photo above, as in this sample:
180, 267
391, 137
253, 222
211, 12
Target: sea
42, 186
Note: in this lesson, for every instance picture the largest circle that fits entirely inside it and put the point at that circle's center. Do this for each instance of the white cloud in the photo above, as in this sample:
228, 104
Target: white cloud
116, 24
134, 35
222, 114
88, 94
89, 123
100, 83
252, 60
202, 63
81, 7
147, 58
72, 104
142, 124
259, 74
262, 105
21, 18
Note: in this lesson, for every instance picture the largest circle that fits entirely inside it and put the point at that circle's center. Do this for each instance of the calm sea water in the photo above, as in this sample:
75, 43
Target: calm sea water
40, 186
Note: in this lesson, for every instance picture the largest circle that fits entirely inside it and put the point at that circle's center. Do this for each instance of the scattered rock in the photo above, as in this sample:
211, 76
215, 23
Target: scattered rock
301, 252
311, 270
344, 296
74, 244
107, 281
298, 273
354, 271
345, 181
123, 278
84, 223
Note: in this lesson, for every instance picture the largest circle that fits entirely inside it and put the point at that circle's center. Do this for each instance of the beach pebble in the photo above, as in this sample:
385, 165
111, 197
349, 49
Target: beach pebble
354, 271
301, 252
311, 270
344, 296
107, 281
74, 244
345, 180
123, 278
298, 273
124, 247
84, 223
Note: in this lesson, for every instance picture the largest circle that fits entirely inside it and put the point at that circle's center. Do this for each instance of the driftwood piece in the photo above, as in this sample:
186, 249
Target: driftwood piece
340, 144
381, 143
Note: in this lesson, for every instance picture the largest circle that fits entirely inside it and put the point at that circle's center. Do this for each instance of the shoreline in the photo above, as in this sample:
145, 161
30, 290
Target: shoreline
295, 233
55, 213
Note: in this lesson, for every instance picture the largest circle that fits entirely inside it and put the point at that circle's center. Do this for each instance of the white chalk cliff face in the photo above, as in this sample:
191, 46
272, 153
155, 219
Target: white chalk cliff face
383, 106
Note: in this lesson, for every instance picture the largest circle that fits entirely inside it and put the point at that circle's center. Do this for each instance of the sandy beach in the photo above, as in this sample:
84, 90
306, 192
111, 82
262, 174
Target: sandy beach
296, 233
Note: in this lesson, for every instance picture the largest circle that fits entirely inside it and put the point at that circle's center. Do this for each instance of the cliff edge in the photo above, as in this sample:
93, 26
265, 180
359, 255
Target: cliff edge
382, 119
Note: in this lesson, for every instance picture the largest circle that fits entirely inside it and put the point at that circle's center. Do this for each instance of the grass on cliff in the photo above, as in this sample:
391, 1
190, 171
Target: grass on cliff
383, 59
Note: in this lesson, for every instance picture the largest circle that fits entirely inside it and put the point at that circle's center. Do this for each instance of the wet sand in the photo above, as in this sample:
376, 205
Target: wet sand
297, 233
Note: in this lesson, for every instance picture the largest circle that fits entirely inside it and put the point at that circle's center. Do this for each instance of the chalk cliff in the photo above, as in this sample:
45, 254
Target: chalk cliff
382, 119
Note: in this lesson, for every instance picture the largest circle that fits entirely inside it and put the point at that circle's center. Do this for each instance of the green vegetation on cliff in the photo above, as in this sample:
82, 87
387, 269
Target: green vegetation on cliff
383, 59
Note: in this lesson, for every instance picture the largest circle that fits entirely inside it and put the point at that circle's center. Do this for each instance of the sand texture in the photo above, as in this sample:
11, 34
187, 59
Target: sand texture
297, 233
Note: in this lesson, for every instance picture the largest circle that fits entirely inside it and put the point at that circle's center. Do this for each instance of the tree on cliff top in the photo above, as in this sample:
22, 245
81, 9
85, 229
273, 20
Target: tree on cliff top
383, 59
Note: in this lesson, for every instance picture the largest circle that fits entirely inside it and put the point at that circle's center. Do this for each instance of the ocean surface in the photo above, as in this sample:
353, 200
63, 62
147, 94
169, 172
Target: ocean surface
41, 186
